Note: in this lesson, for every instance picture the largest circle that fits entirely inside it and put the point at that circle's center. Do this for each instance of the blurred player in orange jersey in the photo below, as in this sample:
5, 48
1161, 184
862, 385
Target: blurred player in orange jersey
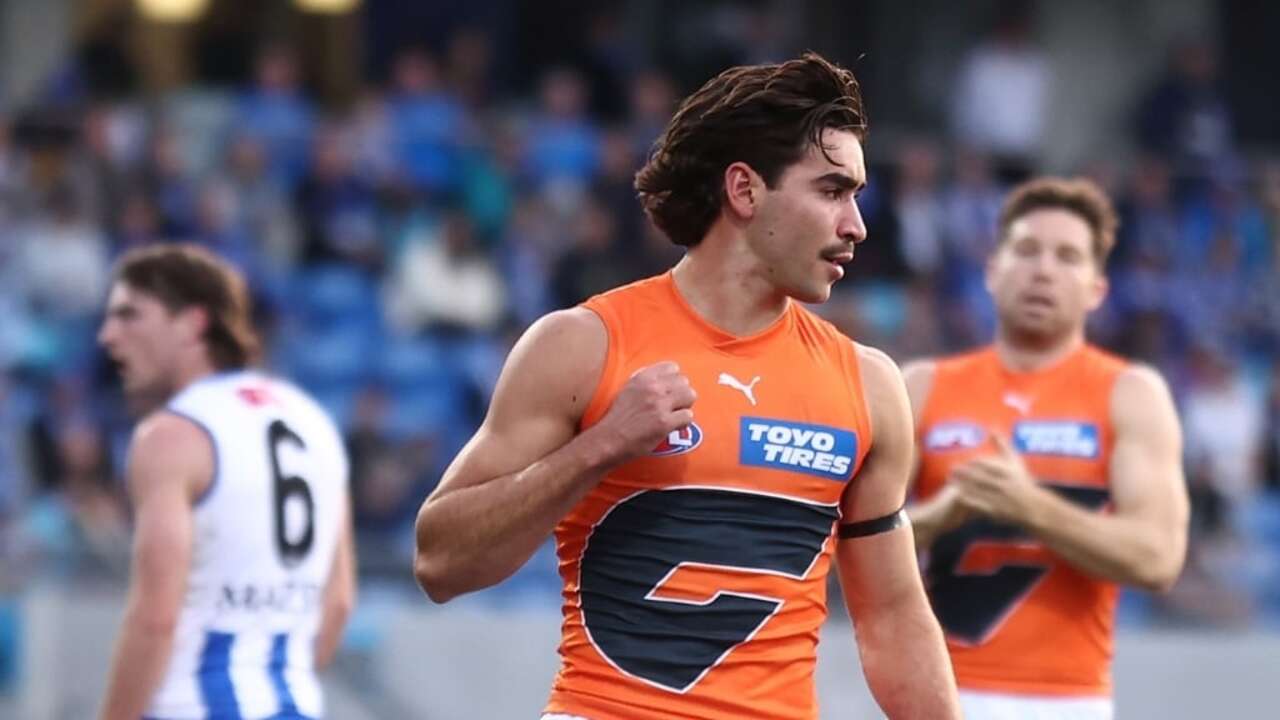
1049, 472
702, 445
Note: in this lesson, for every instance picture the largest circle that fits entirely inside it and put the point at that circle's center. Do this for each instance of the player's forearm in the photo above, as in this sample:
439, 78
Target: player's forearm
905, 661
333, 620
142, 654
1120, 549
477, 536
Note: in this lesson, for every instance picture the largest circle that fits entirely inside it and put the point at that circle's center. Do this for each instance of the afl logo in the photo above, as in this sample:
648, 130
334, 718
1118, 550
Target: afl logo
679, 441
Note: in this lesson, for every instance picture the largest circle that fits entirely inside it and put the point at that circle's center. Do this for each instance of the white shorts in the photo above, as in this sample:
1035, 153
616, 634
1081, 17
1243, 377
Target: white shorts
998, 706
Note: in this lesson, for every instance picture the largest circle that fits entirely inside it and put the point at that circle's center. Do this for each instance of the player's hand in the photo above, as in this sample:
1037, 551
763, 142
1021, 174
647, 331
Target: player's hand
998, 485
951, 511
656, 401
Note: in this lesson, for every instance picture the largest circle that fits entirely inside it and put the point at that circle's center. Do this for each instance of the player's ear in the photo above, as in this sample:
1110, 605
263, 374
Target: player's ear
194, 321
989, 269
743, 190
1098, 288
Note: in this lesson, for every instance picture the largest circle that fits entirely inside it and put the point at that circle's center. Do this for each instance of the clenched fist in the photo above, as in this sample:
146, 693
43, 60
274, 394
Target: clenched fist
655, 401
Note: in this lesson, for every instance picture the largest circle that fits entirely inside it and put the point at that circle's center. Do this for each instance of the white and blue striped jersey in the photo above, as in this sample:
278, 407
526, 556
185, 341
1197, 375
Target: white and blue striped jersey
265, 534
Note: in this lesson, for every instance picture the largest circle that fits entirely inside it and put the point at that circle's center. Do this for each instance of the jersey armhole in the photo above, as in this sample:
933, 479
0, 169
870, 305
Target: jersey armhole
600, 396
862, 409
213, 445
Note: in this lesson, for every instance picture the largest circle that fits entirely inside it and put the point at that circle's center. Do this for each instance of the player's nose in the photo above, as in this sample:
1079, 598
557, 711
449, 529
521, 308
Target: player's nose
850, 226
106, 334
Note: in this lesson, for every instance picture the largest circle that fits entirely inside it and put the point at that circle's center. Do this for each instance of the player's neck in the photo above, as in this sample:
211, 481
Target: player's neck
192, 369
720, 286
1025, 354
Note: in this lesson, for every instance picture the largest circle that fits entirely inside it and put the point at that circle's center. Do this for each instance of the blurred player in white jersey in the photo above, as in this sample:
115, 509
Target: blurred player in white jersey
243, 570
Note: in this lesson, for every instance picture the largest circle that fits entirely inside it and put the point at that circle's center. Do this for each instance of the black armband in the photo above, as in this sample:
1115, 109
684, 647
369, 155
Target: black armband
874, 526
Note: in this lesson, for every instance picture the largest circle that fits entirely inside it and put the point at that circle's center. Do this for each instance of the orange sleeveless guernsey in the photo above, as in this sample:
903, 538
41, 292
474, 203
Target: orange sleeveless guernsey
1019, 619
695, 577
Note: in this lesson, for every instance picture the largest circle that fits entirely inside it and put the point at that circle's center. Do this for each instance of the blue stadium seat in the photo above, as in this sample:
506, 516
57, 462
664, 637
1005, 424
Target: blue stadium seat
324, 357
427, 389
1260, 520
339, 399
335, 294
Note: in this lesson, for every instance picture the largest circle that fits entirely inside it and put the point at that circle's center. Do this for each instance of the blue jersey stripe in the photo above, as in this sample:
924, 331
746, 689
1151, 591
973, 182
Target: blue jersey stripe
214, 677
279, 660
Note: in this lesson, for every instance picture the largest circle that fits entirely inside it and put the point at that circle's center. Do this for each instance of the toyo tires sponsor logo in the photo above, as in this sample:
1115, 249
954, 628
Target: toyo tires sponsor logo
820, 450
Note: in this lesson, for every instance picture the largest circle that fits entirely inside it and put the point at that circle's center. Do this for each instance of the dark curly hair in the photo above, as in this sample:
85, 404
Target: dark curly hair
763, 115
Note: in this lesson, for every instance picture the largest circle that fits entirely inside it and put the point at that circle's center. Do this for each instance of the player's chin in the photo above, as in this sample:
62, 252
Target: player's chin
815, 290
1039, 326
818, 293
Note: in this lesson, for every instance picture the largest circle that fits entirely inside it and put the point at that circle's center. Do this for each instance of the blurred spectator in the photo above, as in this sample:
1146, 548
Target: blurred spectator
1271, 439
262, 209
1185, 116
13, 190
446, 282
139, 224
111, 162
1002, 92
562, 142
917, 203
1223, 427
528, 249
337, 207
1148, 233
386, 481
278, 115
606, 63
62, 262
14, 482
653, 100
81, 525
470, 68
594, 264
972, 207
169, 182
615, 188
428, 124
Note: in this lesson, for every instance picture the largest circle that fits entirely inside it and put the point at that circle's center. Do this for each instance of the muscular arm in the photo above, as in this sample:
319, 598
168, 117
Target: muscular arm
1143, 541
170, 463
940, 513
901, 645
525, 468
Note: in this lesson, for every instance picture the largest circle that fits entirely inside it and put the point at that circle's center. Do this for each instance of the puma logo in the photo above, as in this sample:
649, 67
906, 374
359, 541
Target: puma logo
1018, 402
731, 381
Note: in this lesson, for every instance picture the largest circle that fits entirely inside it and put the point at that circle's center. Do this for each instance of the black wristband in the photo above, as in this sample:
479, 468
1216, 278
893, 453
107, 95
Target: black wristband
874, 526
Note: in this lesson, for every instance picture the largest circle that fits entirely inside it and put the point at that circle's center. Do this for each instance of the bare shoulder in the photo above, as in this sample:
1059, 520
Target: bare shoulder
1141, 398
559, 359
876, 365
166, 445
575, 325
886, 395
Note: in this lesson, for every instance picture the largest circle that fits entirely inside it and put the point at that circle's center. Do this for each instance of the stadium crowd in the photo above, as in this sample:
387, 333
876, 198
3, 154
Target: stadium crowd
397, 246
